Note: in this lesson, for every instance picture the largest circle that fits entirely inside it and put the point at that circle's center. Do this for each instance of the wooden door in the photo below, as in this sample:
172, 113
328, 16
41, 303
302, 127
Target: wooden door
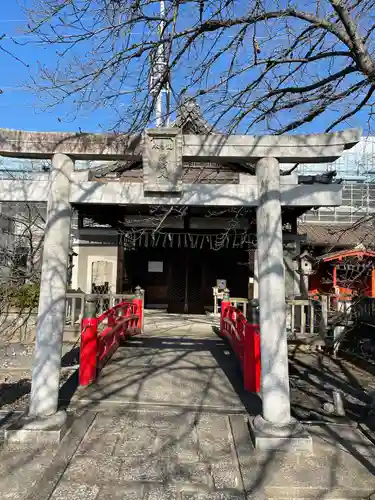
177, 282
195, 297
185, 282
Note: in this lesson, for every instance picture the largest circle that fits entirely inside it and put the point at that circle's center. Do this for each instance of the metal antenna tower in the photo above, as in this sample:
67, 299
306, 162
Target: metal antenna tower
159, 65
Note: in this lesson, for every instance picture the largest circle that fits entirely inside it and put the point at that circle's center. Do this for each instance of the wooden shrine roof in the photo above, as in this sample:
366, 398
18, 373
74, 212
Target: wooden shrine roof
339, 235
343, 254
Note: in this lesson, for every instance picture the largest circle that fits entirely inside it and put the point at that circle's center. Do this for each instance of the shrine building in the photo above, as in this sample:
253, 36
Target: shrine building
178, 253
186, 207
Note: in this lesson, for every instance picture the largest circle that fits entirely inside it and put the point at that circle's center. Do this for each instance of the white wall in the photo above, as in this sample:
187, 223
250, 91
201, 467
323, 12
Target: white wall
82, 265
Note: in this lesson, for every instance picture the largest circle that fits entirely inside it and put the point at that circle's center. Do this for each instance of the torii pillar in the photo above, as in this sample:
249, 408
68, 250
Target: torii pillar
44, 422
275, 428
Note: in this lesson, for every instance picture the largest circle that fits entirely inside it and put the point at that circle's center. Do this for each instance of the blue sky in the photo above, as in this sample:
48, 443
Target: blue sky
21, 108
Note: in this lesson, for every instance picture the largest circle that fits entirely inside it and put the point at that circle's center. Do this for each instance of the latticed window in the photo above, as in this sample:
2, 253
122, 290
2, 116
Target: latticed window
206, 173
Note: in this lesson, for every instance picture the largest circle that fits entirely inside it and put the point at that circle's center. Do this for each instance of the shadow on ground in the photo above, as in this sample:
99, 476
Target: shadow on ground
168, 418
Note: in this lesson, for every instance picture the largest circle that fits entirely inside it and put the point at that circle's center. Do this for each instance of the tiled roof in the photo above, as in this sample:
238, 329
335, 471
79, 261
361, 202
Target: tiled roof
338, 235
347, 253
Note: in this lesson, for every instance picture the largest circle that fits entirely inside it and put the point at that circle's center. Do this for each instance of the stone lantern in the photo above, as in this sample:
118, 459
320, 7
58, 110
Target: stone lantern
306, 261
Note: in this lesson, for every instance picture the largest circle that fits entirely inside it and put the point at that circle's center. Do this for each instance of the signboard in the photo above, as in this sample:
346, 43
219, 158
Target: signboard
155, 266
221, 284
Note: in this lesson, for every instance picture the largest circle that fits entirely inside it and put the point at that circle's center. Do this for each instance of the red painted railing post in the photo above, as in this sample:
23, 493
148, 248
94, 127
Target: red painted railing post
225, 305
120, 317
257, 358
111, 317
138, 301
251, 366
89, 345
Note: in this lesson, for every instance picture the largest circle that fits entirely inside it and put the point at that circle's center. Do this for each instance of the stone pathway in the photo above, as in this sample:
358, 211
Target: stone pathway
179, 455
169, 420
155, 456
21, 469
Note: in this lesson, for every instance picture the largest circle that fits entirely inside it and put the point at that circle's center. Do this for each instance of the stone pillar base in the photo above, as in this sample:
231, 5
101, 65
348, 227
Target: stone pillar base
38, 430
292, 436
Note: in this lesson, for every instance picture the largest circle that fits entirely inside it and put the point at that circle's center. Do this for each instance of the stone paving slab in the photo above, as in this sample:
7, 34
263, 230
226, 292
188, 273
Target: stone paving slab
211, 496
63, 456
179, 325
21, 468
78, 491
98, 460
337, 468
173, 468
228, 469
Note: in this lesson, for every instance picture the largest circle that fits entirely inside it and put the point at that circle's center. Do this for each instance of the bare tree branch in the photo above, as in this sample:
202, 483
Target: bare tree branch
242, 63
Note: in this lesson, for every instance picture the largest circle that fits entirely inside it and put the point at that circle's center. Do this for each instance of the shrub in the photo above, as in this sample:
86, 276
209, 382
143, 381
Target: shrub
23, 297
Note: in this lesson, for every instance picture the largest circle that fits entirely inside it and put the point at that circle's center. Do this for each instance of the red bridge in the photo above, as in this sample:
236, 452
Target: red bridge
102, 335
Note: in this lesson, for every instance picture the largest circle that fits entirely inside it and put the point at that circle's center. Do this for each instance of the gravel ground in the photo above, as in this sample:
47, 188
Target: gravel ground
15, 373
313, 378
16, 356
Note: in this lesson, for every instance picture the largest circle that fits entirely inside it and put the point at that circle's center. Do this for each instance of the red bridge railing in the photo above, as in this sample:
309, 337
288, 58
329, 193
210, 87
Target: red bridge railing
244, 339
101, 336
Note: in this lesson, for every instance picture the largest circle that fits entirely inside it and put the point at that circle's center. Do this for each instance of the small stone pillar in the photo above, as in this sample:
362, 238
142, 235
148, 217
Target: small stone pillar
275, 427
90, 306
225, 304
226, 299
253, 312
51, 313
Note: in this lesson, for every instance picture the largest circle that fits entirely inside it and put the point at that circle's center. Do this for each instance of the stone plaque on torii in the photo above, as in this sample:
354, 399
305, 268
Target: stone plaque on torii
162, 160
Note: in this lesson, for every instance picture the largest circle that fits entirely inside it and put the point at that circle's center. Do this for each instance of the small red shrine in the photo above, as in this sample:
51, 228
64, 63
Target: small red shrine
346, 273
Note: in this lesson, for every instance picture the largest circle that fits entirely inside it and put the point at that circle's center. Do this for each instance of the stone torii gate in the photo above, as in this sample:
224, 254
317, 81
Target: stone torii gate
162, 152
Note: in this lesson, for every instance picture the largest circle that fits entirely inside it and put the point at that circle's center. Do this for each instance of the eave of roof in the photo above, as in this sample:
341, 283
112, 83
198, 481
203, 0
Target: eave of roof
343, 254
338, 235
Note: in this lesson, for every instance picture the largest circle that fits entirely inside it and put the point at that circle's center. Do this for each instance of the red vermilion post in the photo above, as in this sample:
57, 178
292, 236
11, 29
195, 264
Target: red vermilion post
225, 305
251, 368
89, 345
138, 301
257, 360
251, 365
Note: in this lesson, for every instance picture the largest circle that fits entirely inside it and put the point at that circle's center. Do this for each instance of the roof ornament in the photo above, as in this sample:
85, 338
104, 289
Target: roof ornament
190, 117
